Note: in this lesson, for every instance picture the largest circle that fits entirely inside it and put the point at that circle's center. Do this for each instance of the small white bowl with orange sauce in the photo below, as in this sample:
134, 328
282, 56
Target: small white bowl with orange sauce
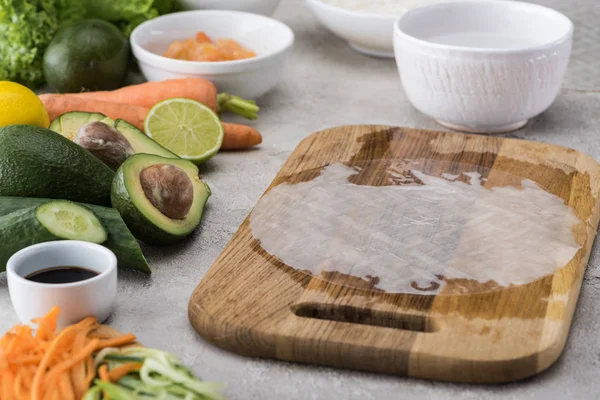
271, 40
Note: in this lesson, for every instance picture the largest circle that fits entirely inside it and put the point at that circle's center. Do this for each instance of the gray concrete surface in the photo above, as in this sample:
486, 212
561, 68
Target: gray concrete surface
327, 85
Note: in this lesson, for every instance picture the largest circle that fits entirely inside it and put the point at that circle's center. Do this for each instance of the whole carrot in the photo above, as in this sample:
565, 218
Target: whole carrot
58, 104
240, 137
149, 93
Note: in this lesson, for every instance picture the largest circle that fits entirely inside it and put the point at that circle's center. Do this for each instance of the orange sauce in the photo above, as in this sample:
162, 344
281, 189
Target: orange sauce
203, 48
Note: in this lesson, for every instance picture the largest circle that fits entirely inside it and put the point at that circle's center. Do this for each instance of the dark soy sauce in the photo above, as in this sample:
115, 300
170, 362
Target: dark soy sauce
56, 275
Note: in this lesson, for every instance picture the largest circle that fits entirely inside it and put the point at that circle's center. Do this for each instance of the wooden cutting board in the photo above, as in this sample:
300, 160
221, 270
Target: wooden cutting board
253, 304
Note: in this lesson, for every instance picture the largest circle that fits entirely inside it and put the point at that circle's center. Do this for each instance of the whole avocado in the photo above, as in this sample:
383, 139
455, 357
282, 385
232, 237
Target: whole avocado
90, 54
37, 162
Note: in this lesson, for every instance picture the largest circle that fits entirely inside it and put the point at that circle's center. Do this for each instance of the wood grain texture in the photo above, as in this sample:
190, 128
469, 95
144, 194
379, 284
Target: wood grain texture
251, 303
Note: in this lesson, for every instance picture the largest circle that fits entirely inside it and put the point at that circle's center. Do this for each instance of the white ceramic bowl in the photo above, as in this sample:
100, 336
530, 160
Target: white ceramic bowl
368, 33
482, 66
91, 297
264, 7
249, 78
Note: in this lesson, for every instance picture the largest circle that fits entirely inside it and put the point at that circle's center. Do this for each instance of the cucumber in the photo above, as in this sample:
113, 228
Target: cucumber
53, 220
67, 220
120, 240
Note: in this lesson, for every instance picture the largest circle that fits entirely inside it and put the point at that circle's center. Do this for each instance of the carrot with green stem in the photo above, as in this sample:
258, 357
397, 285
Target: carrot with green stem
149, 93
237, 105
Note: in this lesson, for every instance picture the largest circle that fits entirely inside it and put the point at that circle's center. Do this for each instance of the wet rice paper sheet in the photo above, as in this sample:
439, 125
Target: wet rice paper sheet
416, 237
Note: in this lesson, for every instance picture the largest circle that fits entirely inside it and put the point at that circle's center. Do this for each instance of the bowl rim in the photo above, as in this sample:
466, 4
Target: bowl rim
66, 246
147, 56
354, 13
203, 1
399, 32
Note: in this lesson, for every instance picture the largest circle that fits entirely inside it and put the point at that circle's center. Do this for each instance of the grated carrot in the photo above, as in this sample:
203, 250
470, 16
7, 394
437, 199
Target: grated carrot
51, 365
75, 358
7, 385
38, 380
103, 374
65, 387
77, 373
91, 372
119, 372
116, 342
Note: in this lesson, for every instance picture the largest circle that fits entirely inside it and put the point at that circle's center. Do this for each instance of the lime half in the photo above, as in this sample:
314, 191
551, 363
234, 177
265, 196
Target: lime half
186, 127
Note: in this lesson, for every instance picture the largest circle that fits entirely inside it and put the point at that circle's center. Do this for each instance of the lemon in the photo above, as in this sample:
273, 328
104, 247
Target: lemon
19, 105
186, 127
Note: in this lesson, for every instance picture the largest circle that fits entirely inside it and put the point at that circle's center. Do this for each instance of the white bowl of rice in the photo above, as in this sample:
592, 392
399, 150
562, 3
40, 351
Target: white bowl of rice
368, 25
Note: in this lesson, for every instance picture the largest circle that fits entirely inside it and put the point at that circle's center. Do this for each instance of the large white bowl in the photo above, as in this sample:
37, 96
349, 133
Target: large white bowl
368, 33
270, 39
483, 66
264, 7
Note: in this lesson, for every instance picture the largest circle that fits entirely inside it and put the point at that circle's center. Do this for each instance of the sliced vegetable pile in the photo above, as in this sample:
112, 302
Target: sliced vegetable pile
139, 373
87, 361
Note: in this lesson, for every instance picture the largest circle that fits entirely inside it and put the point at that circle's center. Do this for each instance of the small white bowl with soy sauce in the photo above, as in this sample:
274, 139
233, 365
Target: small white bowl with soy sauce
79, 277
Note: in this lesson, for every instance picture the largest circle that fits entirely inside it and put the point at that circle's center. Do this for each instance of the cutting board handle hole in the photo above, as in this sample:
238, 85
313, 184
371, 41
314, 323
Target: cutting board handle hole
355, 315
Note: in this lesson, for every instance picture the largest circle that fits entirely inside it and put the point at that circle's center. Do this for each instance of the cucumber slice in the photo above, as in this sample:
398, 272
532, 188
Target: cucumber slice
67, 220
120, 240
54, 220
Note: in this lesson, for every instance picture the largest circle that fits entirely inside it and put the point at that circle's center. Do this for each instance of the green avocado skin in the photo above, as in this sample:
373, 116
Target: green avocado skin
37, 162
91, 54
141, 227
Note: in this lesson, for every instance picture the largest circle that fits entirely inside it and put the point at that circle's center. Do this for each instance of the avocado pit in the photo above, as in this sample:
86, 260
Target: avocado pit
169, 189
104, 142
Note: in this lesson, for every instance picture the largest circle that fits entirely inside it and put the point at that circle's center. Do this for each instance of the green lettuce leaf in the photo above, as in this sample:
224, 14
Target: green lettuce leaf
26, 29
127, 14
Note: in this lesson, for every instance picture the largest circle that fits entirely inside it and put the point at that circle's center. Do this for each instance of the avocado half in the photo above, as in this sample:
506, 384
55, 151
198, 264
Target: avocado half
140, 142
68, 124
144, 219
